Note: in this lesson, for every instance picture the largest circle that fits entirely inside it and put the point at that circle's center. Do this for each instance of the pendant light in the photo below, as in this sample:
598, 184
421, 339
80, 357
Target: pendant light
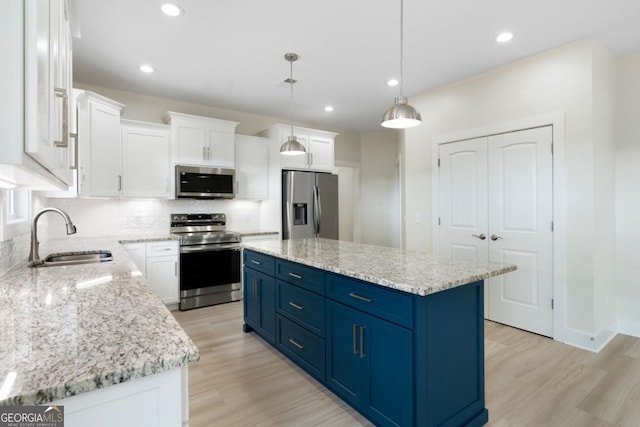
292, 147
401, 115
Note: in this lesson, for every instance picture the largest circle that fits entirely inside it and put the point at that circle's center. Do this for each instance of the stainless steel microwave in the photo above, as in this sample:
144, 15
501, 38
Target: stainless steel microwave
200, 182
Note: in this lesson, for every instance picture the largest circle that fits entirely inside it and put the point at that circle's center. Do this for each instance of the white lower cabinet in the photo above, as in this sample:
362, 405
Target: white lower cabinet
159, 263
159, 400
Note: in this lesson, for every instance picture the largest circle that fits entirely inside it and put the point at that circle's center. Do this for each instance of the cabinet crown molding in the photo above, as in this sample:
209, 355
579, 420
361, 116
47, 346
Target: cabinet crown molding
172, 115
86, 96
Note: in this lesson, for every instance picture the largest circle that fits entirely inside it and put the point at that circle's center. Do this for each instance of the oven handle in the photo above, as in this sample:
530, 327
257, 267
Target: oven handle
209, 248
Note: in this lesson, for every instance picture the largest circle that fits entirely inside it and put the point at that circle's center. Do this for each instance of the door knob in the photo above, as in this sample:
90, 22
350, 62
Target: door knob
495, 237
479, 236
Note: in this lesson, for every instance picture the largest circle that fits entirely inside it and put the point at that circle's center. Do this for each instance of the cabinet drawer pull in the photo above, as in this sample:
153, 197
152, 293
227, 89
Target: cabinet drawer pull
296, 306
296, 343
355, 333
296, 276
253, 261
361, 298
362, 355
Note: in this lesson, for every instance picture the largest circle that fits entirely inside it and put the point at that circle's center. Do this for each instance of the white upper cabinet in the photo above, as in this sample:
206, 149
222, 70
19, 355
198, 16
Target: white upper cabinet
35, 82
318, 143
252, 167
145, 159
99, 148
198, 140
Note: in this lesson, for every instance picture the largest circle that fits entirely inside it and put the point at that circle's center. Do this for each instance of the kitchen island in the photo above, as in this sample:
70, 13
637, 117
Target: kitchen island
399, 335
94, 338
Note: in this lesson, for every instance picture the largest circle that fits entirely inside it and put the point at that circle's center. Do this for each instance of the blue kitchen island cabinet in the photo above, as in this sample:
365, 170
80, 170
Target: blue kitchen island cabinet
398, 335
259, 296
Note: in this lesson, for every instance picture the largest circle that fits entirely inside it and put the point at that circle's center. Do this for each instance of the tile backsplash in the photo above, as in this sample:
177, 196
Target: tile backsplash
14, 251
113, 217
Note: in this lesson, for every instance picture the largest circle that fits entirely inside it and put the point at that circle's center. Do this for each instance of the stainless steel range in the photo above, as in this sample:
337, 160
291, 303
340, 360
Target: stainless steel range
209, 260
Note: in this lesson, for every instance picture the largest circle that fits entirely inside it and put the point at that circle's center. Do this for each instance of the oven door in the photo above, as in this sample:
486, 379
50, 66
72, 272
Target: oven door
209, 274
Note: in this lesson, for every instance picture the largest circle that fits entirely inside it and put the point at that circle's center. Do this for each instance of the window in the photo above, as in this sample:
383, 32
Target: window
16, 212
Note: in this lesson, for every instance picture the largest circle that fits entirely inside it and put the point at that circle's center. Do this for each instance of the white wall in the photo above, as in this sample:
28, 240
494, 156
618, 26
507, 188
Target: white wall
627, 126
604, 298
560, 80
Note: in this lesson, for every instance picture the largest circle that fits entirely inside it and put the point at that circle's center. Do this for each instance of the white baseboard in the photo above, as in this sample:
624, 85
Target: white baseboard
591, 342
629, 327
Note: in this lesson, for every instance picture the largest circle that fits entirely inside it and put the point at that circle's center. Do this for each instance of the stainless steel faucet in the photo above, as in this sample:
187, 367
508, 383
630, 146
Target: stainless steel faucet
34, 257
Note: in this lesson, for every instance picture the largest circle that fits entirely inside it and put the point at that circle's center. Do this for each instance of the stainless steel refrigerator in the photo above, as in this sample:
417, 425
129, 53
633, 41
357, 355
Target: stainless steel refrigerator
309, 205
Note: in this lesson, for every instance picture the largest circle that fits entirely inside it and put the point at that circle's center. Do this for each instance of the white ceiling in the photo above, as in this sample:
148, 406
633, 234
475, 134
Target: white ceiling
229, 53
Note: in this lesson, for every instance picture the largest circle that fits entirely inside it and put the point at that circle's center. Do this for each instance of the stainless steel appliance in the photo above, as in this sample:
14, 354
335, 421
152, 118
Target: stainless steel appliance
204, 183
209, 260
309, 205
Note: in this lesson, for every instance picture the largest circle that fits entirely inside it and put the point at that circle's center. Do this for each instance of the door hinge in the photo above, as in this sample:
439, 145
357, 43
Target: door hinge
438, 162
551, 303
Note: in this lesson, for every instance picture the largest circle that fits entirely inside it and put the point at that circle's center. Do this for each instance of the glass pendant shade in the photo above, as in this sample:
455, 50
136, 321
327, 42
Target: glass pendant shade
401, 115
292, 147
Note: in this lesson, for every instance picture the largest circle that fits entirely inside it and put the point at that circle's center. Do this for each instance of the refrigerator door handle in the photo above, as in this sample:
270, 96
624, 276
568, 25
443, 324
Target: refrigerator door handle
317, 210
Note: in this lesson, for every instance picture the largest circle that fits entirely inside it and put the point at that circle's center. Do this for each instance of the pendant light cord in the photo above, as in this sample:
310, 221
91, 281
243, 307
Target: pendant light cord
401, 47
291, 83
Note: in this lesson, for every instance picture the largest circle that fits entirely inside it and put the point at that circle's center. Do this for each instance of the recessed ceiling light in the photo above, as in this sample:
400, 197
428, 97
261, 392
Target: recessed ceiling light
172, 9
393, 82
147, 69
504, 37
328, 108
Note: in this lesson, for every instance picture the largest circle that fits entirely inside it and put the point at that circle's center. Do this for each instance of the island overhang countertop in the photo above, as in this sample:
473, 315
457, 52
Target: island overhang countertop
68, 330
419, 273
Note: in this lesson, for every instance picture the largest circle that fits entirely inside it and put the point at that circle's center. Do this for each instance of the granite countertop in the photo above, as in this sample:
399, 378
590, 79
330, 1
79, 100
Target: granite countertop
419, 273
248, 233
72, 329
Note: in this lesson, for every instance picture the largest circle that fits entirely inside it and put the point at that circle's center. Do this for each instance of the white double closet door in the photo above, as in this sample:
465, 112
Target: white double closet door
496, 205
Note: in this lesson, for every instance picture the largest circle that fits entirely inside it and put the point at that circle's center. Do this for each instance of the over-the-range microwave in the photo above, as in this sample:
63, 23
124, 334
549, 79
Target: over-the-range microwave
201, 182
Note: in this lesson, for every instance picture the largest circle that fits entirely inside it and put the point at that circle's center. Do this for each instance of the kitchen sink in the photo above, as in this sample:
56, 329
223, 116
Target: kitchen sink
72, 258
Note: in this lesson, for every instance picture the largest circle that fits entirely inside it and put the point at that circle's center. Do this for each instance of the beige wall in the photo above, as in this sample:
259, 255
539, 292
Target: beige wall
560, 80
380, 196
627, 133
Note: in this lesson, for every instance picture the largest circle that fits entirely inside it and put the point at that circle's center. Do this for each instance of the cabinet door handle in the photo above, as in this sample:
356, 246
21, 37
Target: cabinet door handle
296, 306
74, 155
296, 343
310, 158
355, 333
362, 355
176, 269
295, 276
119, 182
257, 288
253, 261
361, 298
62, 93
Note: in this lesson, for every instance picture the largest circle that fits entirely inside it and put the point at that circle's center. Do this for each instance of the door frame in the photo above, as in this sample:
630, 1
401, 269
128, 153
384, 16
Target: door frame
557, 121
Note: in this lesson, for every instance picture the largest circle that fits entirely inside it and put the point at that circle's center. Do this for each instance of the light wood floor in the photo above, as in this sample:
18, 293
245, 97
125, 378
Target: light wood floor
530, 380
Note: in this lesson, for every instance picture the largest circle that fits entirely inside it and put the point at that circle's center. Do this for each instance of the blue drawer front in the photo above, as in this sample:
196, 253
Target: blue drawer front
302, 306
301, 346
394, 306
258, 261
304, 276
